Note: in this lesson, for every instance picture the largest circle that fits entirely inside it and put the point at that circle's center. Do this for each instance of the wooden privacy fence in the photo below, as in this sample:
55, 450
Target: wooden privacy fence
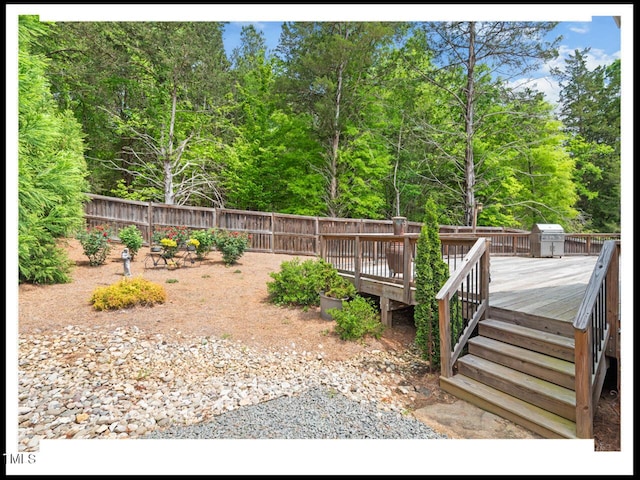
270, 232
299, 234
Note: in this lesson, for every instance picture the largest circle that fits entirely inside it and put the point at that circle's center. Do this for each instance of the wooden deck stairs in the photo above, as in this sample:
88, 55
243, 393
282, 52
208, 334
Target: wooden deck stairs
520, 368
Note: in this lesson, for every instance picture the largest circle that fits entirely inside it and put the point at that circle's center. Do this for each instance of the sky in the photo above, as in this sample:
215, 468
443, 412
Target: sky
312, 457
600, 34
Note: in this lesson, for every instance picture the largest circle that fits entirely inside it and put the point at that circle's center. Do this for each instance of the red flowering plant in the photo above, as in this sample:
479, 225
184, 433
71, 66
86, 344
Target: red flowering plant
178, 234
232, 245
96, 243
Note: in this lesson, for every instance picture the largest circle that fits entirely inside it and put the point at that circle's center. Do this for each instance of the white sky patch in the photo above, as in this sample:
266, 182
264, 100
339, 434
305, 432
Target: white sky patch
584, 29
543, 82
546, 85
260, 26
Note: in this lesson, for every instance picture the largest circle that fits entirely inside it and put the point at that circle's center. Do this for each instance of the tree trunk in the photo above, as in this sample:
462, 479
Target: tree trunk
335, 146
169, 197
469, 167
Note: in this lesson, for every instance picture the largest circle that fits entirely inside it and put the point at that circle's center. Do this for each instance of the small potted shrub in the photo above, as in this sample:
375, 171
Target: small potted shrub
310, 282
335, 291
298, 282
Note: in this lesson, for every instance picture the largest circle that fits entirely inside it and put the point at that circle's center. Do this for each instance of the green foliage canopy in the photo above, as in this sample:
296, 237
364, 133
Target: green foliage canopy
51, 168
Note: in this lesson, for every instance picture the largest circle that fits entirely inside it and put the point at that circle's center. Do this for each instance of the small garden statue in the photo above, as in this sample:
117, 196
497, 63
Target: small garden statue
127, 262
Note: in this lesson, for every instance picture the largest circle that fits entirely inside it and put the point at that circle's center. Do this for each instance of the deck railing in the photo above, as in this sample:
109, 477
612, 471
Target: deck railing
462, 302
587, 243
385, 258
389, 259
596, 324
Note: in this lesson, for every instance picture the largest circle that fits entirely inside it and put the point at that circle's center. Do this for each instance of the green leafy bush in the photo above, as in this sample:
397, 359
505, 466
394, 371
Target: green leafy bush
132, 238
232, 245
336, 286
300, 282
51, 169
357, 318
95, 243
206, 239
128, 292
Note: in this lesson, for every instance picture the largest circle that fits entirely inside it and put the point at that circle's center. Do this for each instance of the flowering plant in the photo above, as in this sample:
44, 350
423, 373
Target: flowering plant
205, 240
193, 242
231, 244
179, 234
169, 247
95, 243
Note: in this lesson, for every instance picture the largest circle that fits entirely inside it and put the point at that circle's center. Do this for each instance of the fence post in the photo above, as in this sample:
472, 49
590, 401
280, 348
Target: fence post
150, 226
219, 218
273, 236
358, 262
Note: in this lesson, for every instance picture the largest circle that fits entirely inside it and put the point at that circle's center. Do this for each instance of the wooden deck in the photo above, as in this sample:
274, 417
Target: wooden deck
544, 287
548, 287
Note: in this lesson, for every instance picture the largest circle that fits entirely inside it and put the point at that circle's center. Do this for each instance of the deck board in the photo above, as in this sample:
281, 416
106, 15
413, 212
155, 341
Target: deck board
548, 287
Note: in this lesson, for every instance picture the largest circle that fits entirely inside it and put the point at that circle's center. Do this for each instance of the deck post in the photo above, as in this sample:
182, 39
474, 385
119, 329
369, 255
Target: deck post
583, 375
407, 272
613, 308
446, 368
485, 275
386, 314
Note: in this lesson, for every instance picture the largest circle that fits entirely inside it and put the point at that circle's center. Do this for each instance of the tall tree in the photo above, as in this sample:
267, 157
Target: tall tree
482, 52
327, 73
416, 116
526, 174
87, 69
161, 88
590, 110
51, 168
274, 148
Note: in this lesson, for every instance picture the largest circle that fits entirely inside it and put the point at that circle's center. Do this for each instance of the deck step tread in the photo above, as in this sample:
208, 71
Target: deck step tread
529, 356
536, 340
544, 394
531, 333
536, 419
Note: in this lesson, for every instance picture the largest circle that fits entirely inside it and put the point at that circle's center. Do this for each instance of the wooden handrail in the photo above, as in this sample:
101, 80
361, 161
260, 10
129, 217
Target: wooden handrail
451, 285
594, 323
600, 270
477, 257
